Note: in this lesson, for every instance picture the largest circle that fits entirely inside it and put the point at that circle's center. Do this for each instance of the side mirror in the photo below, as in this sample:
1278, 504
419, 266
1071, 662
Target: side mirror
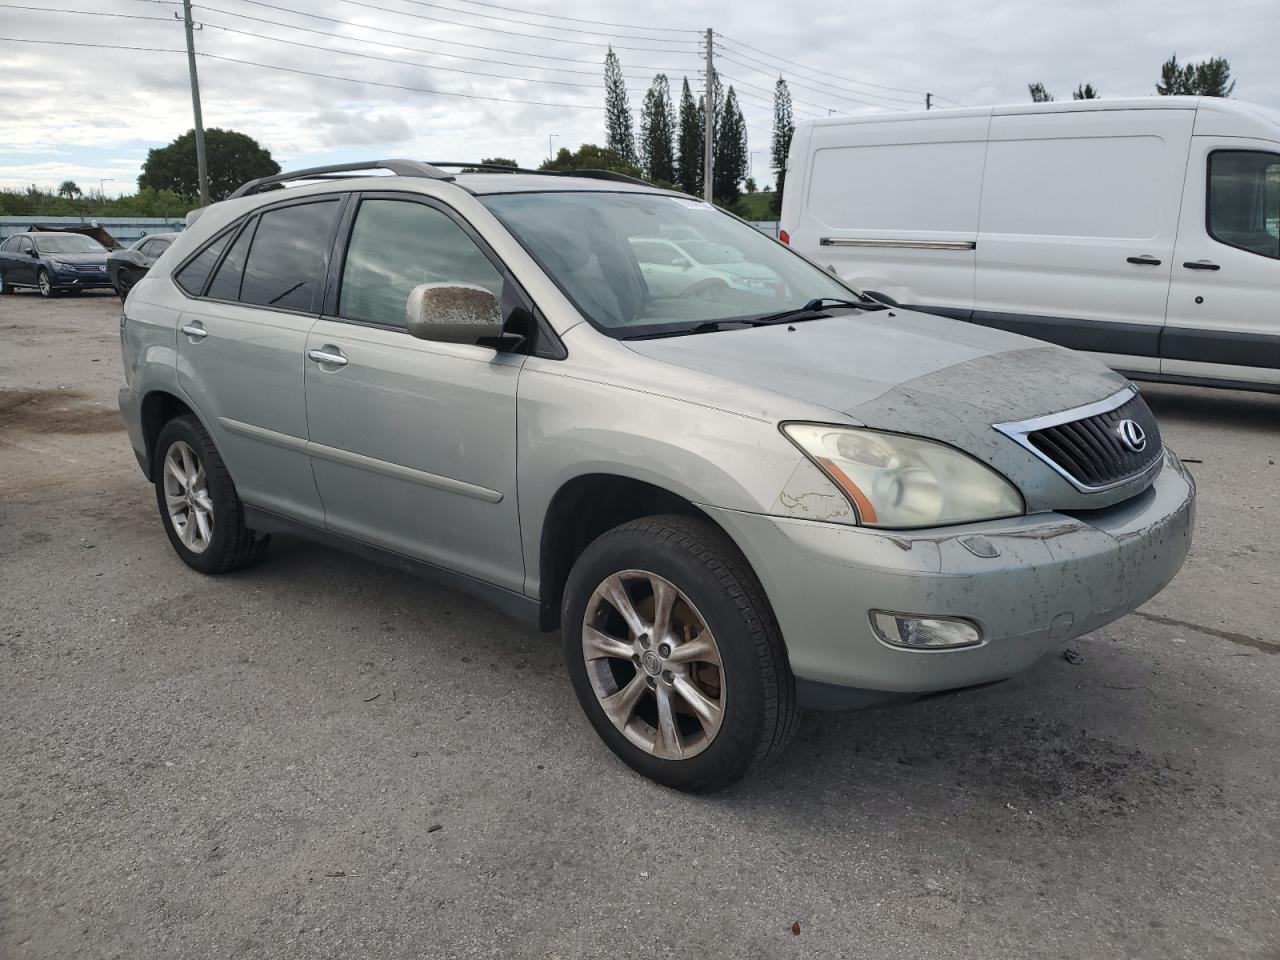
453, 313
35, 254
680, 262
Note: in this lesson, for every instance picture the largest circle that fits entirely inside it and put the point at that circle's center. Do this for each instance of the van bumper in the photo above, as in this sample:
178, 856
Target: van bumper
1052, 577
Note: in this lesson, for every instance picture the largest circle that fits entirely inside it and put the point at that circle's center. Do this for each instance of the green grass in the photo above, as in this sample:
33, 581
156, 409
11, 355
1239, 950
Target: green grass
755, 206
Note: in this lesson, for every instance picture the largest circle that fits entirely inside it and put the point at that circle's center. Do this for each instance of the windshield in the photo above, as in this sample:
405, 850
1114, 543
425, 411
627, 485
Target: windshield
610, 254
69, 243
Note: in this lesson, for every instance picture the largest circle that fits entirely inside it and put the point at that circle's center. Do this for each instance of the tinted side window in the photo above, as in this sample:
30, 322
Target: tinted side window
10, 244
396, 245
1244, 200
25, 245
287, 257
226, 284
195, 274
158, 247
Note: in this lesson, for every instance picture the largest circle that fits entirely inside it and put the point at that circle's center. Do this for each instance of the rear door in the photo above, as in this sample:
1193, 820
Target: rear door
413, 442
1223, 320
241, 347
22, 265
1079, 218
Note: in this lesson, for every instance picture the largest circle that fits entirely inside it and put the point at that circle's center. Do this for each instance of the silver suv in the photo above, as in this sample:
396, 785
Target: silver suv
734, 500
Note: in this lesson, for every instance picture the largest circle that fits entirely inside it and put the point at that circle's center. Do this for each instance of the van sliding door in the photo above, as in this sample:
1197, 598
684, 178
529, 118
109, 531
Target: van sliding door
1079, 218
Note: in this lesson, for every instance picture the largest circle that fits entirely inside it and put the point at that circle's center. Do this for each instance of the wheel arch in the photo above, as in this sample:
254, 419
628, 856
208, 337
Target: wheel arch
158, 408
583, 508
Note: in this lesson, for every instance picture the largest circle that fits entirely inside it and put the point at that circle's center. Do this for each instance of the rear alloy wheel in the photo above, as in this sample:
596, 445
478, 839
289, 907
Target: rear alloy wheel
201, 512
674, 653
4, 287
43, 283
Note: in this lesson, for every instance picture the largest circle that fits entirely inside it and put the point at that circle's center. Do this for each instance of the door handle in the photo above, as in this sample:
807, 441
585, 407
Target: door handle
330, 356
1201, 265
1144, 260
195, 330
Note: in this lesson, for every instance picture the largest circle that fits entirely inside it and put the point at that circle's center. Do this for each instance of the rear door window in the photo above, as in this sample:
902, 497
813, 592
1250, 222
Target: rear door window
288, 254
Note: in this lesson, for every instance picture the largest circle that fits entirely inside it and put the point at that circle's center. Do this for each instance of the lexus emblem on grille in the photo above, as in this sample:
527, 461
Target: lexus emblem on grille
1132, 435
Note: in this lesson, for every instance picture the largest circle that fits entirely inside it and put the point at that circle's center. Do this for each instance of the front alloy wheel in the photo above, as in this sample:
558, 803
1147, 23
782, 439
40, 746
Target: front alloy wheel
654, 664
674, 653
44, 284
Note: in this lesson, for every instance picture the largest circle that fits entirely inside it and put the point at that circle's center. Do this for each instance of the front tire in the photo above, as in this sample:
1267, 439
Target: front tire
44, 284
124, 283
199, 507
674, 653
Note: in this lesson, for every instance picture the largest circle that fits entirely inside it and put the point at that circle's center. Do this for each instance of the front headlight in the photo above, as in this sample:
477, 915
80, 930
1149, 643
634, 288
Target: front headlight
899, 481
63, 265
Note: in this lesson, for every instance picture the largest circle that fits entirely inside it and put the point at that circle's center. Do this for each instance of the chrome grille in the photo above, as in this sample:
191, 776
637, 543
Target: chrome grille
1085, 445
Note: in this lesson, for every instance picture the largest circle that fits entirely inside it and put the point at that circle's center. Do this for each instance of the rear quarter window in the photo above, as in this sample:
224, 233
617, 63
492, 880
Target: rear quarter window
193, 277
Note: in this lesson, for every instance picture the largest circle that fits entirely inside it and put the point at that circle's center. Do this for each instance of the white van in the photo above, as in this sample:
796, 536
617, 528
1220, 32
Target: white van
1144, 231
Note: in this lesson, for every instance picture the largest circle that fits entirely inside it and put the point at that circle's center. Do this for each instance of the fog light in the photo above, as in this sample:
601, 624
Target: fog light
924, 633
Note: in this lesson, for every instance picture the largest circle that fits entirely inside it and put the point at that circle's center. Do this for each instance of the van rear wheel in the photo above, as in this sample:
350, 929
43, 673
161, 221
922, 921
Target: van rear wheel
674, 653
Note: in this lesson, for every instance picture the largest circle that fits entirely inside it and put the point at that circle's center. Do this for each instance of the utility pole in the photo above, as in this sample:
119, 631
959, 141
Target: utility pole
928, 101
202, 165
551, 151
708, 122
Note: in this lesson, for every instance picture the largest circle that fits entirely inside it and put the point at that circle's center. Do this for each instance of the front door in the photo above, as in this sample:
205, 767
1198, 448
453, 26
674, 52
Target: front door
1223, 319
413, 442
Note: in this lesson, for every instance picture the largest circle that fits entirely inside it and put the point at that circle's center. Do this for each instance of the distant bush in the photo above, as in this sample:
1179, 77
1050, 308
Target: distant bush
35, 202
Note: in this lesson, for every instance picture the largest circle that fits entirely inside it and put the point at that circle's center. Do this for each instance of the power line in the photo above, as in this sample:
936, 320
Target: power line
515, 33
557, 16
828, 90
543, 26
823, 76
398, 46
416, 36
307, 73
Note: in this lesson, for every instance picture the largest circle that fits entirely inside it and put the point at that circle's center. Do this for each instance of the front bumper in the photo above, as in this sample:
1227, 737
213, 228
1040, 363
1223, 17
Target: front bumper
1054, 577
79, 279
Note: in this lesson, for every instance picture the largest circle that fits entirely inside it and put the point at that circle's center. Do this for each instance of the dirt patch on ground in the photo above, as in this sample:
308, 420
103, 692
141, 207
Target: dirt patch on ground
55, 411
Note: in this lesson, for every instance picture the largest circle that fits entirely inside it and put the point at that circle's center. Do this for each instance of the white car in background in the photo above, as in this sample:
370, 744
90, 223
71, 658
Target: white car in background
689, 267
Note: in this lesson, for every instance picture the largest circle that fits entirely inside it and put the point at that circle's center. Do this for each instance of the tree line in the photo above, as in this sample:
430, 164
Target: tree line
1209, 78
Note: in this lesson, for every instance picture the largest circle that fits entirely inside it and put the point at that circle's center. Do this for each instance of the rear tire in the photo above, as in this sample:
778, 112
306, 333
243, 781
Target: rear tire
4, 287
199, 507
749, 694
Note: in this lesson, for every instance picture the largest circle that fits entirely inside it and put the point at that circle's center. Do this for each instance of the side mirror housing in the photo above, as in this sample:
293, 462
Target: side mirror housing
453, 313
680, 262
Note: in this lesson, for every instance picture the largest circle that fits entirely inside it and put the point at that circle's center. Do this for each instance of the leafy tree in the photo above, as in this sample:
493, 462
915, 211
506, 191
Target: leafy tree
69, 189
689, 159
1085, 91
730, 151
784, 127
490, 161
1038, 93
233, 158
1209, 78
620, 132
590, 157
657, 132
751, 184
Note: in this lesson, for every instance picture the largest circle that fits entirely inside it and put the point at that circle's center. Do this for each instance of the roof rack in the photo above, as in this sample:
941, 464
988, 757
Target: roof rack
588, 174
401, 168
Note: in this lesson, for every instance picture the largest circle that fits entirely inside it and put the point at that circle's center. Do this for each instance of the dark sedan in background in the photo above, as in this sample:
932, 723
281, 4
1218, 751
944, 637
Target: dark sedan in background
52, 263
127, 267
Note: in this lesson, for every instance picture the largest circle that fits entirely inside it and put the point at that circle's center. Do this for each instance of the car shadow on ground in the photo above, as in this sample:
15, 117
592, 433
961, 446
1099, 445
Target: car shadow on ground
1024, 748
1208, 406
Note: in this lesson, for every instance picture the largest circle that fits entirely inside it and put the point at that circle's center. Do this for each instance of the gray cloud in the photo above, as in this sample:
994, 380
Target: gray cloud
981, 52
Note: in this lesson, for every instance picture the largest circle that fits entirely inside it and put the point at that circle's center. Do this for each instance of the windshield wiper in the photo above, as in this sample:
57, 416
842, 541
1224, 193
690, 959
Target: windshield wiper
707, 326
813, 310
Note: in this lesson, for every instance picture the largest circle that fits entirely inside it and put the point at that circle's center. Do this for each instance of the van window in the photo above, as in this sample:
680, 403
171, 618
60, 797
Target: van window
1077, 187
288, 255
928, 187
1244, 200
397, 245
195, 274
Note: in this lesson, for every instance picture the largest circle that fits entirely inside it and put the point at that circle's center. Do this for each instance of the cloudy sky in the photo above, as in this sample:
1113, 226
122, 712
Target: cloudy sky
521, 71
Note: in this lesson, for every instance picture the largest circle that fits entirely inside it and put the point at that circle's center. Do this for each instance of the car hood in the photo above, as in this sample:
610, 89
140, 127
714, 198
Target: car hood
917, 374
79, 258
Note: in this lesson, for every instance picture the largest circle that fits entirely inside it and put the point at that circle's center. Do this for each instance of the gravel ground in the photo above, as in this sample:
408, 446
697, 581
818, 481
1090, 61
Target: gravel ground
322, 758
